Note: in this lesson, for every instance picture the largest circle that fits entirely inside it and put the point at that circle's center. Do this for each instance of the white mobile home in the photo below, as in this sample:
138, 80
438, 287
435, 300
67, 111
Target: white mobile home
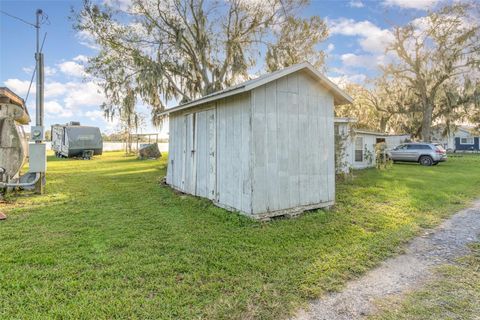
264, 147
358, 146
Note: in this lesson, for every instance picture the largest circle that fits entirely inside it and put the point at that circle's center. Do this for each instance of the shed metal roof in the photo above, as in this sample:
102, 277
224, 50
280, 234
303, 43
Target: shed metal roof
340, 97
12, 97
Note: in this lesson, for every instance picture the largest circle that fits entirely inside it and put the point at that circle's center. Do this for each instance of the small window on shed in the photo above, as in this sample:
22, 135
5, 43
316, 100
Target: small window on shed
359, 149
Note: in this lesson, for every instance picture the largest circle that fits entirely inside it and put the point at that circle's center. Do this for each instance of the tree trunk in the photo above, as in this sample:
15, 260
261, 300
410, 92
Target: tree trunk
427, 122
383, 123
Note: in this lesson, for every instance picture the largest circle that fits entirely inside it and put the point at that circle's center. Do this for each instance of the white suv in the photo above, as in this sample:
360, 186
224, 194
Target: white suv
426, 154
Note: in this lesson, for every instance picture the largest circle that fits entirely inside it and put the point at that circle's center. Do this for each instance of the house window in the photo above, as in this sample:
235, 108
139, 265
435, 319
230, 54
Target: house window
466, 140
359, 149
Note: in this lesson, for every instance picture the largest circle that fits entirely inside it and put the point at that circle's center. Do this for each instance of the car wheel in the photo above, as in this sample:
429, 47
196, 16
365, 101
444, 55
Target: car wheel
426, 161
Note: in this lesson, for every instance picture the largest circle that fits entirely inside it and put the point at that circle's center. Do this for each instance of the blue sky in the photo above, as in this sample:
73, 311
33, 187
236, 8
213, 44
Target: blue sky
359, 31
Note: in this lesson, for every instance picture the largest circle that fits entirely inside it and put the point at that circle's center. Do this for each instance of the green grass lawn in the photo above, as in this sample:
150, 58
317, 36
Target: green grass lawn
454, 293
109, 241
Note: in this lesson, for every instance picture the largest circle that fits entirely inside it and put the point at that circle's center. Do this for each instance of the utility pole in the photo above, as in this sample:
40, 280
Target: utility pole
40, 78
38, 148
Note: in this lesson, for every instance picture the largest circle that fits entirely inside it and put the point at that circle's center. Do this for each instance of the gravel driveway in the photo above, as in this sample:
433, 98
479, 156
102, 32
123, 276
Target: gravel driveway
396, 275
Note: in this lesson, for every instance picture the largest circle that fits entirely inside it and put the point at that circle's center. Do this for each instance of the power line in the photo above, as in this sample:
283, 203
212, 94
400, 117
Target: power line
35, 70
31, 81
15, 17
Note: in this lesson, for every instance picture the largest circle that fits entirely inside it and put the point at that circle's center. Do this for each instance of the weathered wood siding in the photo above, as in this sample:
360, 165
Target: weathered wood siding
234, 187
176, 147
205, 152
293, 144
220, 162
273, 148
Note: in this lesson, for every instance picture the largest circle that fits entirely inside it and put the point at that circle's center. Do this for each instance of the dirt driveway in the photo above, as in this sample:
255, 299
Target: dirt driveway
399, 274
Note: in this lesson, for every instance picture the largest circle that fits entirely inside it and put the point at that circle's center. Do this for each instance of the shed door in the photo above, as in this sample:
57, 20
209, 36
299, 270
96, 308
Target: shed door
189, 155
205, 154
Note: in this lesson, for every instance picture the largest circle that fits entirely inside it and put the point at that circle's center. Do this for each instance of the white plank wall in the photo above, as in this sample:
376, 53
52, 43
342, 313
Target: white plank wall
266, 150
293, 144
233, 153
176, 152
202, 158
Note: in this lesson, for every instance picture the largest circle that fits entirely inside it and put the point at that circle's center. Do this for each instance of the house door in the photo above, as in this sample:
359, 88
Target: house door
205, 154
189, 155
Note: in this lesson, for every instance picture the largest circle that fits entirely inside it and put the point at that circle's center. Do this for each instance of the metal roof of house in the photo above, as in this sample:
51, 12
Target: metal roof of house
373, 133
340, 97
380, 134
344, 120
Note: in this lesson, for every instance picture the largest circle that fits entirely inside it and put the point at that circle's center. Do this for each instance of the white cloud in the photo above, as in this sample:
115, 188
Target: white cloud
20, 87
342, 81
87, 39
54, 89
27, 70
356, 4
120, 4
111, 125
411, 4
95, 115
371, 38
330, 47
81, 94
81, 58
354, 60
69, 98
54, 109
48, 71
72, 68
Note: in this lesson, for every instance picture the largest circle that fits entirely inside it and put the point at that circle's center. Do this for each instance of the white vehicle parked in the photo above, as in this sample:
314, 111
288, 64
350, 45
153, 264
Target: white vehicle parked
426, 154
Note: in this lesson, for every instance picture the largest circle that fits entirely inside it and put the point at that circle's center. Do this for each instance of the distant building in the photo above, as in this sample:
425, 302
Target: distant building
458, 138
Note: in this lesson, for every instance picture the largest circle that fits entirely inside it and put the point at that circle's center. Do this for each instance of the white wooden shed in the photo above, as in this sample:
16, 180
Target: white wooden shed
264, 147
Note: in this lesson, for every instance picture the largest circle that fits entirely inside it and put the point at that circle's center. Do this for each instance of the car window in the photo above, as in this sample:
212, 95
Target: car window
400, 147
418, 147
